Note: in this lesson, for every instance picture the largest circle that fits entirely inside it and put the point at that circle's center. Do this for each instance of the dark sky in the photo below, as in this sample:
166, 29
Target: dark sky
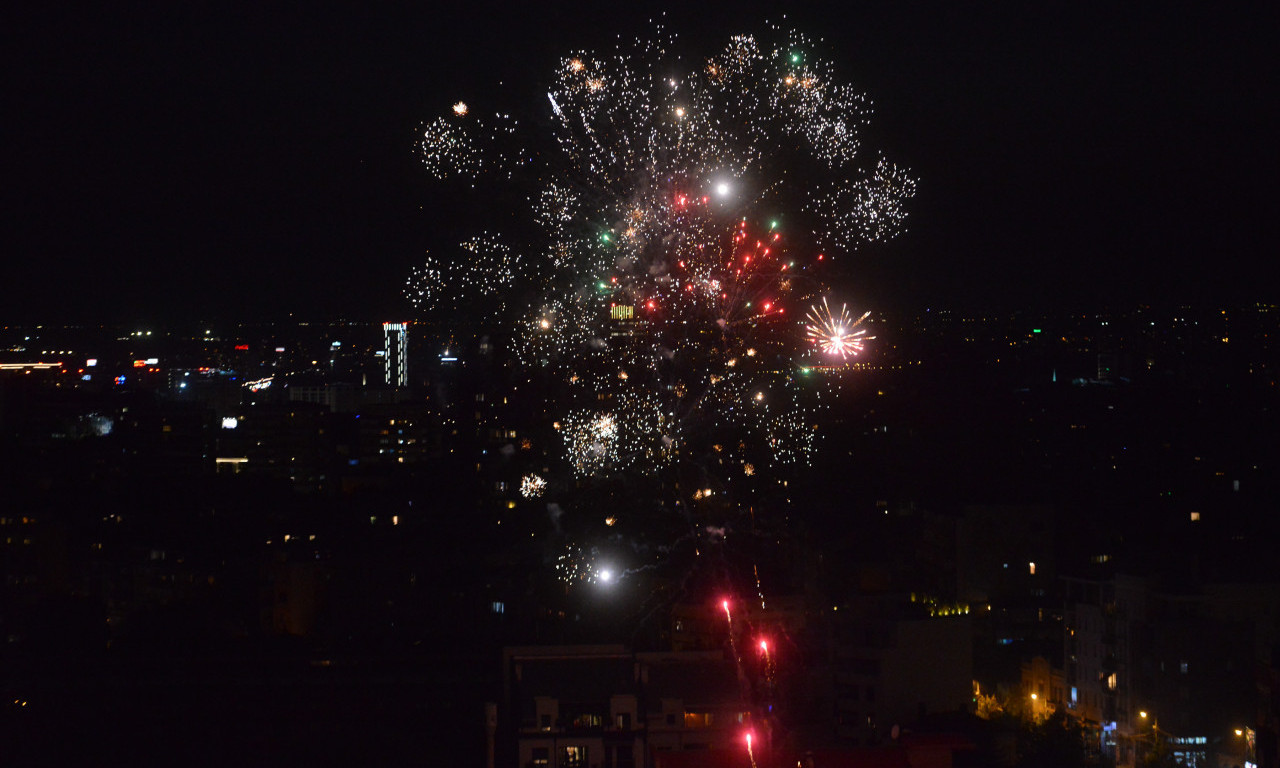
187, 160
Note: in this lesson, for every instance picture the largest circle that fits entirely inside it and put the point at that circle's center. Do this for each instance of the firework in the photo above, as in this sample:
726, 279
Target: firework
479, 274
575, 565
836, 333
683, 218
532, 486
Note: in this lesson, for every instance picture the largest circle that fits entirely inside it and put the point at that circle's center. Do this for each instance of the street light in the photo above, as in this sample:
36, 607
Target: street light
1155, 729
1247, 746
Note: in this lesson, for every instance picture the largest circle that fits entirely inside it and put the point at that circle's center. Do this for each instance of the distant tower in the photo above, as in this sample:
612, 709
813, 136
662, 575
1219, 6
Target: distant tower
395, 355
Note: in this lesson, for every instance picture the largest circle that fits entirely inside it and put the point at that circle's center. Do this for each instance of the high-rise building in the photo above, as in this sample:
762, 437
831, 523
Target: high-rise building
395, 355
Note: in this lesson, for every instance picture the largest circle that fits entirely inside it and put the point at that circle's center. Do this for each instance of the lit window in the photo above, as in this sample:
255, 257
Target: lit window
1031, 568
1195, 517
573, 757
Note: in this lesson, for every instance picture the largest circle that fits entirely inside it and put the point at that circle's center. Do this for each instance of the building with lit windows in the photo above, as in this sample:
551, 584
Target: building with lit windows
395, 357
608, 706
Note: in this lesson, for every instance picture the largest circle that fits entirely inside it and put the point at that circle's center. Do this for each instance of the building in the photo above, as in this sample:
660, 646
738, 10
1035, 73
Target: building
395, 354
892, 664
606, 706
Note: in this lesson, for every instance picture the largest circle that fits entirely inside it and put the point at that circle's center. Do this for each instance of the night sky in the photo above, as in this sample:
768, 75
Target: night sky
169, 162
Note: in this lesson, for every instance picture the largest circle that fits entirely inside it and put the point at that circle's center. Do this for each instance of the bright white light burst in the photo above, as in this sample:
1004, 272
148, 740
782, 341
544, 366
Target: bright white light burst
836, 333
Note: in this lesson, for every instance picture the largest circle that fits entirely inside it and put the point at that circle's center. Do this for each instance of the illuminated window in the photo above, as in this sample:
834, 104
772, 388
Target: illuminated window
697, 719
1195, 517
1111, 681
573, 757
541, 756
1031, 568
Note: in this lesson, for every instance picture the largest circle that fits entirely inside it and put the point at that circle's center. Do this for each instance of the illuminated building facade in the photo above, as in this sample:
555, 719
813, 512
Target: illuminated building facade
605, 705
395, 354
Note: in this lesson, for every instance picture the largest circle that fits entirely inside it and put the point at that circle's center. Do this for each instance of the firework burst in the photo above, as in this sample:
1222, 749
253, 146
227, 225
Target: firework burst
682, 213
836, 333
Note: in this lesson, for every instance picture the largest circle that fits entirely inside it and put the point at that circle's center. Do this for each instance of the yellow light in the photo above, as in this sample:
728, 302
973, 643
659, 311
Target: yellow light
460, 108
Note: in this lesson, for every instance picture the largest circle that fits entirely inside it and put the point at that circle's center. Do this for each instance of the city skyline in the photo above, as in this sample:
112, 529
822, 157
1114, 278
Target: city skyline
249, 164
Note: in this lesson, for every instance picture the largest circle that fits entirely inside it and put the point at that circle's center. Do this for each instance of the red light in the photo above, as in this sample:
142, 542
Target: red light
706, 199
139, 363
651, 305
819, 257
767, 306
764, 645
242, 347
